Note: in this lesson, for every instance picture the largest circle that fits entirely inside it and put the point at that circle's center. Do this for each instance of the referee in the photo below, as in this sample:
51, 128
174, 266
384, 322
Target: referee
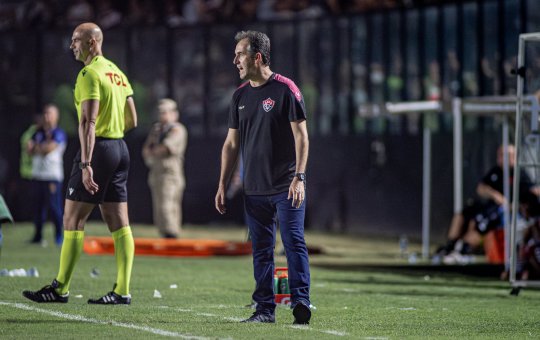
106, 111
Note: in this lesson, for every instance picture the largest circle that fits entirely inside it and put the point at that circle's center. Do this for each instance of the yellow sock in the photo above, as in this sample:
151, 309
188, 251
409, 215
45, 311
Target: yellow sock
124, 251
70, 254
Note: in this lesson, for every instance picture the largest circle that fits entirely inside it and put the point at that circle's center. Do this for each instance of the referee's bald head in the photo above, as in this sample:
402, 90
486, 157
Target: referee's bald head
90, 30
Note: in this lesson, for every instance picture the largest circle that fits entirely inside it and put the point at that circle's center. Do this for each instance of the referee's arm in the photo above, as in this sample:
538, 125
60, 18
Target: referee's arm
87, 137
130, 115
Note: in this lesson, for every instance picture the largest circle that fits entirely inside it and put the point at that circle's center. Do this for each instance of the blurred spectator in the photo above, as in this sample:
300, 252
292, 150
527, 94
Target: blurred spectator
356, 6
172, 13
289, 9
206, 11
106, 15
37, 13
240, 11
529, 252
25, 164
80, 11
111, 13
163, 153
209, 10
47, 148
135, 13
432, 82
7, 15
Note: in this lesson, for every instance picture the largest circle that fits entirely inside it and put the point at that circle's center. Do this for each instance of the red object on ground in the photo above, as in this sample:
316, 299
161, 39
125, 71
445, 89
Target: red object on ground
284, 299
170, 247
494, 246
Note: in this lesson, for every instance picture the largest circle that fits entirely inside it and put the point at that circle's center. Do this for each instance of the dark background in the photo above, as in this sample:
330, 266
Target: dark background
365, 166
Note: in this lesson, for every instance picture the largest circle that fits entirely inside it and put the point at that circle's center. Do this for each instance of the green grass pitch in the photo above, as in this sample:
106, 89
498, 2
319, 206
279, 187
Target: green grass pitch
357, 303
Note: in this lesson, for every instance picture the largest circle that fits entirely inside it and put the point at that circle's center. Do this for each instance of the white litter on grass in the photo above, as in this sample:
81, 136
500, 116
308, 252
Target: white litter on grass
338, 333
78, 296
206, 314
183, 310
427, 278
19, 272
157, 294
233, 319
327, 331
173, 286
349, 290
299, 326
81, 318
33, 272
94, 273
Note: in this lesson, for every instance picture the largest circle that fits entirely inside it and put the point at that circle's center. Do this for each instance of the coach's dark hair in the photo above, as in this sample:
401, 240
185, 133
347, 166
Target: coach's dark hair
258, 42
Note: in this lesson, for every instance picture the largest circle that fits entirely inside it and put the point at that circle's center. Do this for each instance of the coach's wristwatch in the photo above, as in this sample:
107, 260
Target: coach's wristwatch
301, 176
84, 165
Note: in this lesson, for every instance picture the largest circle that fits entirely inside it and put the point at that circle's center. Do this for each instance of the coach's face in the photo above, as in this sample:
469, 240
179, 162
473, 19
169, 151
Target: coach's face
79, 45
244, 60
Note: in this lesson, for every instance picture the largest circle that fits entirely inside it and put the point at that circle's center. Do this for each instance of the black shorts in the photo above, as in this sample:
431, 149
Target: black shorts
110, 163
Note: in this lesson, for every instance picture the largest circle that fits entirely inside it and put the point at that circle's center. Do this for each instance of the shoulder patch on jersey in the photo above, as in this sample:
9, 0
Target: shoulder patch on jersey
292, 86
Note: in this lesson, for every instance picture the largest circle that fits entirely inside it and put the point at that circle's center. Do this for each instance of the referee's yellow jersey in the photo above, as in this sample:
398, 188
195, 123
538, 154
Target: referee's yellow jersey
104, 81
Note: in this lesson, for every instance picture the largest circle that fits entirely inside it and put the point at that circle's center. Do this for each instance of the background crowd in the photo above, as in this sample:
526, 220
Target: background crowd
112, 13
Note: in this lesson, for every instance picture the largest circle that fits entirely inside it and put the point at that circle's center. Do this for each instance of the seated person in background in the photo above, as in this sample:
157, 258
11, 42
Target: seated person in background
528, 264
529, 254
485, 213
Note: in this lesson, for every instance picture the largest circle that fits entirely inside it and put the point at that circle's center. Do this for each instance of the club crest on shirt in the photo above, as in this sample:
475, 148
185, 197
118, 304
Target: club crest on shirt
268, 104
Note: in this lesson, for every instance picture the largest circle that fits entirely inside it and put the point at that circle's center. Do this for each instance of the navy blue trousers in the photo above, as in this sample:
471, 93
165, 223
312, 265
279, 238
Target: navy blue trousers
48, 197
262, 213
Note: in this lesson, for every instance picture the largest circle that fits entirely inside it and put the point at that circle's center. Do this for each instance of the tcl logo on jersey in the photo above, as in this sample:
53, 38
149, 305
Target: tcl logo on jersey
268, 104
116, 79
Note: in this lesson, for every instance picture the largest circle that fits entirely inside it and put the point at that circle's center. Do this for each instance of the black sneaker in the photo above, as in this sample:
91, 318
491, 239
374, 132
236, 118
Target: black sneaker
261, 317
302, 314
46, 294
111, 298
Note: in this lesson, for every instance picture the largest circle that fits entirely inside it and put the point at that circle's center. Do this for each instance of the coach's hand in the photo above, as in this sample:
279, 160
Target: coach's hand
220, 200
297, 192
88, 180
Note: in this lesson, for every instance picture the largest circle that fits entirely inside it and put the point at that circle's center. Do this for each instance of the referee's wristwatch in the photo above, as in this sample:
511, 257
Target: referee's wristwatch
301, 176
84, 165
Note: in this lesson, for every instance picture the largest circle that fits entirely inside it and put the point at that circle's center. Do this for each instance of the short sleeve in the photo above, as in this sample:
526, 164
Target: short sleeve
295, 105
88, 83
59, 136
233, 112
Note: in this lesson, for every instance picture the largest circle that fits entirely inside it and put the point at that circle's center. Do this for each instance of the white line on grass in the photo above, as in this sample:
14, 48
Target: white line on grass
101, 322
